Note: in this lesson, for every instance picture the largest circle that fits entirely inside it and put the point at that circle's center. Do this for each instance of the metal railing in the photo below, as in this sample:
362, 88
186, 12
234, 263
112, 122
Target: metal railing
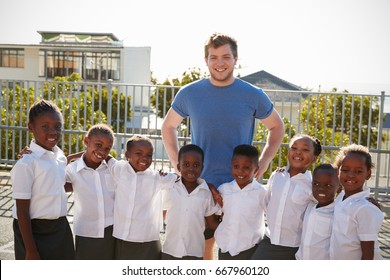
336, 119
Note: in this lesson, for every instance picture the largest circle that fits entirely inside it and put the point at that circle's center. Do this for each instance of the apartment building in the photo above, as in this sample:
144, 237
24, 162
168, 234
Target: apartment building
97, 57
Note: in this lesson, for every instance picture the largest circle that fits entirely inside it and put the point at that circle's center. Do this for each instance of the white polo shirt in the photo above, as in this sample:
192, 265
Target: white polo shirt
355, 220
243, 225
287, 199
138, 202
317, 228
94, 194
185, 219
40, 177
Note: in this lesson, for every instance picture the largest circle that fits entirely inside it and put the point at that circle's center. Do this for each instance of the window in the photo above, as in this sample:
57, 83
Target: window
95, 66
13, 58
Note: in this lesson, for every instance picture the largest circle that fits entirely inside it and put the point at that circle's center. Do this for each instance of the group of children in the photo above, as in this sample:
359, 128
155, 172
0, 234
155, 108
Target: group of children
119, 204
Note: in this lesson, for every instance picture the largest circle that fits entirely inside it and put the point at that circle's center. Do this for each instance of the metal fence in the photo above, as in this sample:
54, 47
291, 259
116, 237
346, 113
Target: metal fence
336, 119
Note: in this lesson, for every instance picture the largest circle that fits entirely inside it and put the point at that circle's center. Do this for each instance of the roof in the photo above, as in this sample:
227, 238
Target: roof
277, 89
77, 37
266, 80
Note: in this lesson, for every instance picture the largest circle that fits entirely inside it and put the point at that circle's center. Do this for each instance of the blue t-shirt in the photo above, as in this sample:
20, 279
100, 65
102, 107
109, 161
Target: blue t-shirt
220, 119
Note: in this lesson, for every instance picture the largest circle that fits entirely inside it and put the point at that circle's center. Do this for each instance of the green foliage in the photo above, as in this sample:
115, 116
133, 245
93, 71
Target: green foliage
280, 159
162, 97
335, 119
82, 106
340, 119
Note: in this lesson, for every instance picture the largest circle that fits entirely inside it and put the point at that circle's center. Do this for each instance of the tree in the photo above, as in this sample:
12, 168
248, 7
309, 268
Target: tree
163, 97
341, 119
336, 119
81, 106
281, 157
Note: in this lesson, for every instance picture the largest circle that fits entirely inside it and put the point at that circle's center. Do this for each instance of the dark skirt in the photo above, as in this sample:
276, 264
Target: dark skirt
168, 257
268, 251
244, 255
53, 238
89, 248
126, 250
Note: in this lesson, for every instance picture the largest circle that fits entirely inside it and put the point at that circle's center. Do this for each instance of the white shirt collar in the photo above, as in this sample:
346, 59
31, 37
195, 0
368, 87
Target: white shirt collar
81, 164
40, 151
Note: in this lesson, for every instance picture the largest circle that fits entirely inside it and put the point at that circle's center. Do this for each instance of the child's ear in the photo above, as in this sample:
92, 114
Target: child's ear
368, 175
178, 167
257, 167
127, 155
30, 127
86, 141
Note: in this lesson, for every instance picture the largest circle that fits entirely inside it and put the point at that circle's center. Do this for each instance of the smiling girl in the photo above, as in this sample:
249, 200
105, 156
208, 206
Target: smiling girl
94, 194
41, 229
289, 193
357, 221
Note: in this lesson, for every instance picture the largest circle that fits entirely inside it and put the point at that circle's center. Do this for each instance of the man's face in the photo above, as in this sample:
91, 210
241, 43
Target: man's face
221, 62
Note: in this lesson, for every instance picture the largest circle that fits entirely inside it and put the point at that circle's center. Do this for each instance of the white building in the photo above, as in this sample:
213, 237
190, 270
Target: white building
95, 56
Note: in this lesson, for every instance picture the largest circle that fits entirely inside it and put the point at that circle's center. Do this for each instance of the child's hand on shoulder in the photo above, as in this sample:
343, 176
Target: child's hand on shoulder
217, 197
279, 170
25, 151
375, 202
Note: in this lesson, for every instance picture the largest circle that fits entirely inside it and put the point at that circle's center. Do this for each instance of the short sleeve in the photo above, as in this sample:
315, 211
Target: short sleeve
264, 105
211, 206
22, 177
68, 173
179, 104
369, 221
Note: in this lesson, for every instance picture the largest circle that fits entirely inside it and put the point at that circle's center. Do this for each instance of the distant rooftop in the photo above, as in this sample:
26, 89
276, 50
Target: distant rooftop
54, 37
265, 80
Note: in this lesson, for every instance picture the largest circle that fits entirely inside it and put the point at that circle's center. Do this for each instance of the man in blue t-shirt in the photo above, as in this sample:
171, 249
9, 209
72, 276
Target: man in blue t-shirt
222, 111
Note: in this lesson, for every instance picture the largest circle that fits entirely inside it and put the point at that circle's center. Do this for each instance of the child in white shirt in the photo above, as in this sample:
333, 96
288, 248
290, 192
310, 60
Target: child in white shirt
289, 193
94, 193
357, 221
138, 202
188, 203
242, 225
318, 219
41, 229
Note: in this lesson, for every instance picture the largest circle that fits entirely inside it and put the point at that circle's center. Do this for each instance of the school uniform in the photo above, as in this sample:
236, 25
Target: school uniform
287, 200
242, 225
316, 232
138, 210
40, 178
94, 194
185, 219
355, 220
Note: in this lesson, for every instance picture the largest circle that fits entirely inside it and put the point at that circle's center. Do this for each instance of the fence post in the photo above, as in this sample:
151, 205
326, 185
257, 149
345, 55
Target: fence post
109, 101
379, 141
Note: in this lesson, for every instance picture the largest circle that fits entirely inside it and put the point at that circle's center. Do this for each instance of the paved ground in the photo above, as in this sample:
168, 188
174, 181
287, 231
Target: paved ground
6, 233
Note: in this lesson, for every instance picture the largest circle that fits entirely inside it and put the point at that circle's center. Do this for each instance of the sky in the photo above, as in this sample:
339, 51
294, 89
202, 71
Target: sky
315, 44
